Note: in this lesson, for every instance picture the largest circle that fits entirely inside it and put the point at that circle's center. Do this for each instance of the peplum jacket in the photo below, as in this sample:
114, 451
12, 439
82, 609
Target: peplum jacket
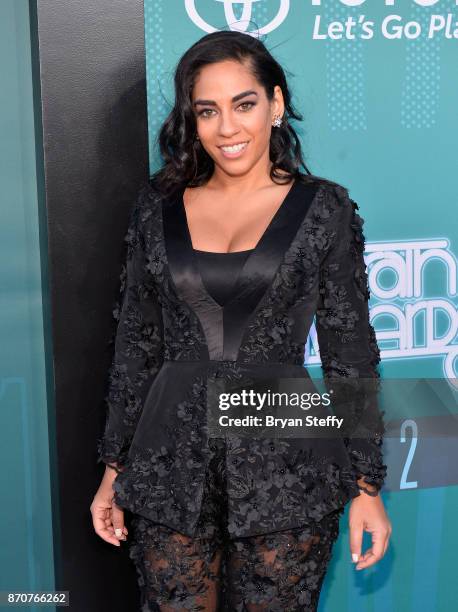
172, 338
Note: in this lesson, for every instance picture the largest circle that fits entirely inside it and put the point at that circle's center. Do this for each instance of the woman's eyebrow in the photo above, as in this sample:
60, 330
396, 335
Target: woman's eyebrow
234, 99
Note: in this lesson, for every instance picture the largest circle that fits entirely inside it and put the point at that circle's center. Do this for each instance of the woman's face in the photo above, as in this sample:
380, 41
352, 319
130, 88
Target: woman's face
232, 110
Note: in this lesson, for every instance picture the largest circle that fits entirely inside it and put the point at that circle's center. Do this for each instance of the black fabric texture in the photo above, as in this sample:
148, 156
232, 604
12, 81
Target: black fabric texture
173, 337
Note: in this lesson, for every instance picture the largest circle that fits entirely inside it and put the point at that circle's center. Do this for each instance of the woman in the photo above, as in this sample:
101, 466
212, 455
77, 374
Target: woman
231, 252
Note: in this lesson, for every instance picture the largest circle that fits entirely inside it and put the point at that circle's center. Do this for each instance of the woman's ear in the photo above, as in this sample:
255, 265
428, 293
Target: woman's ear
278, 106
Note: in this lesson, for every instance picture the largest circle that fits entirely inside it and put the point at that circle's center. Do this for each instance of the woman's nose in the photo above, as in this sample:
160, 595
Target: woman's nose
228, 124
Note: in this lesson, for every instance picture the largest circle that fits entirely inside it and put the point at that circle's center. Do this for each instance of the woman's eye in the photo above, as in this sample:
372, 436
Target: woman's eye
245, 106
250, 104
206, 110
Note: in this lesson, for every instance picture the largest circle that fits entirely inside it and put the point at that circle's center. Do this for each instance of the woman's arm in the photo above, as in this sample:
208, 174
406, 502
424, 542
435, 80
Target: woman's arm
138, 353
348, 346
349, 352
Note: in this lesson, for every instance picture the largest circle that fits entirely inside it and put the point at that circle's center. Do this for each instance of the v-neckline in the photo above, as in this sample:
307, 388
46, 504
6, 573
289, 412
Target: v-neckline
251, 255
224, 327
271, 222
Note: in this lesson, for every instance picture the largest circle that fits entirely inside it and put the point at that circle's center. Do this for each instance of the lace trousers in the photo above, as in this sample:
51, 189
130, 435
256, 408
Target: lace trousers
281, 571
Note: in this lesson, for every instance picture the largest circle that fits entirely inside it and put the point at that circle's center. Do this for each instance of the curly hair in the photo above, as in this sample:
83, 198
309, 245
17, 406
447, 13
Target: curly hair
185, 160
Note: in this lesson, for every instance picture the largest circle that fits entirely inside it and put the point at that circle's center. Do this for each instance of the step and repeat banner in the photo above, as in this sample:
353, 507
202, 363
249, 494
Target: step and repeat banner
376, 83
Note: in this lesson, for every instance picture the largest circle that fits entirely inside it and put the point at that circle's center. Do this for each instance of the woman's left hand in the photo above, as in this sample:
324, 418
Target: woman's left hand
367, 513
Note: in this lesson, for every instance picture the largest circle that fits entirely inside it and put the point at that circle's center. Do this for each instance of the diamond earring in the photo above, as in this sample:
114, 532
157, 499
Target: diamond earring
277, 121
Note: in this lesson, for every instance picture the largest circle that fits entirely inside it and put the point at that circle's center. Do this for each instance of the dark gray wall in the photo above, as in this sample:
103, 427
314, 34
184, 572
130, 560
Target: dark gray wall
91, 71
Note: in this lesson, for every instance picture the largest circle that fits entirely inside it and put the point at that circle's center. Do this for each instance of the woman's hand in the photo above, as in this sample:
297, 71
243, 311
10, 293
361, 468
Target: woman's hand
368, 513
107, 517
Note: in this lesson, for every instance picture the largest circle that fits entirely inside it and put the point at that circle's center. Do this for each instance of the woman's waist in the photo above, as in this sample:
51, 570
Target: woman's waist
229, 363
212, 367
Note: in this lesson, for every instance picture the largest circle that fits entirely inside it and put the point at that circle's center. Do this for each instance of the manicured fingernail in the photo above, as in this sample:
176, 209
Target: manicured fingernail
118, 533
354, 557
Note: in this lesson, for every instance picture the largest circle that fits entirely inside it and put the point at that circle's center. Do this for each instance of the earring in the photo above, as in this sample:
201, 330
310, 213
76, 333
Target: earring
277, 121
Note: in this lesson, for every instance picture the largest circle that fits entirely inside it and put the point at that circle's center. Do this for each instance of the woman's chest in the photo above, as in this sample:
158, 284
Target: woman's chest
256, 305
228, 224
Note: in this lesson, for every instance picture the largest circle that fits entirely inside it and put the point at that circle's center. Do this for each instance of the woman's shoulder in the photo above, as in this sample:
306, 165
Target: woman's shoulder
147, 204
149, 194
336, 193
144, 209
326, 183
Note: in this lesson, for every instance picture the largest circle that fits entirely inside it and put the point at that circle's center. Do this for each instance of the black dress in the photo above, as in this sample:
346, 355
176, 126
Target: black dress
252, 519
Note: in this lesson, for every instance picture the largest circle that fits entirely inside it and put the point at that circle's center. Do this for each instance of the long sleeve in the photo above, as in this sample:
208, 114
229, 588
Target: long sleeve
347, 341
138, 353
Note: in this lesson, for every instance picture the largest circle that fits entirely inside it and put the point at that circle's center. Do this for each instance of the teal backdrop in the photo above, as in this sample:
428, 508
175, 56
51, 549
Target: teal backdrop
26, 536
379, 100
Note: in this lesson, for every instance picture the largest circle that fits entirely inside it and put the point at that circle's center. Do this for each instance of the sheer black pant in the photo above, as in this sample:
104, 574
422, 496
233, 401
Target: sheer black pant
276, 572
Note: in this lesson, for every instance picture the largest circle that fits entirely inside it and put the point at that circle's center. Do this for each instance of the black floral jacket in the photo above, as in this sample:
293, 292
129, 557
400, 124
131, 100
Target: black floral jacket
172, 338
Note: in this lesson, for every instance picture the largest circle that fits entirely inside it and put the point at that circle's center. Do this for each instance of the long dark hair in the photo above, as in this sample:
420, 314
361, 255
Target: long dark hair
185, 160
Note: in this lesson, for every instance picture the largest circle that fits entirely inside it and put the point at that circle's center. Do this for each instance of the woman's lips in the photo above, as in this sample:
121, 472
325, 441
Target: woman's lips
233, 155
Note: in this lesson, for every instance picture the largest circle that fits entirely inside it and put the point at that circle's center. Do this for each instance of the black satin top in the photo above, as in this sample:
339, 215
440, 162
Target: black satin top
219, 272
